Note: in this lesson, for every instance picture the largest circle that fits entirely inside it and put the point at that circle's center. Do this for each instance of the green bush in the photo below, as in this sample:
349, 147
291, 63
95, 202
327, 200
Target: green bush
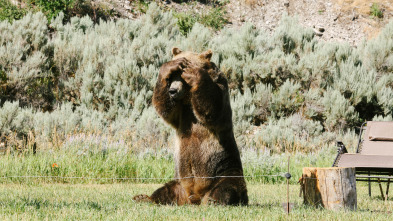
375, 11
214, 18
54, 7
10, 12
69, 8
185, 21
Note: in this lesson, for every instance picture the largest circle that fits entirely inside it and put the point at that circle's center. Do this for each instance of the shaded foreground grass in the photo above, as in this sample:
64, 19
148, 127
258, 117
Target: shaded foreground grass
113, 202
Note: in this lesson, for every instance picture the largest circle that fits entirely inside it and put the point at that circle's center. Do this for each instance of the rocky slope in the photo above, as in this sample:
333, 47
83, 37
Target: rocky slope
339, 20
332, 20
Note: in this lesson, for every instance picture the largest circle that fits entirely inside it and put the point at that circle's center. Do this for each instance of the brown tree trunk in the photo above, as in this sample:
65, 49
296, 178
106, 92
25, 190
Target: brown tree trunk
333, 187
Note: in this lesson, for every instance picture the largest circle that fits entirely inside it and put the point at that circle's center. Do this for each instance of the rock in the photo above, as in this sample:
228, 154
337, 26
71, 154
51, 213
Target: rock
320, 29
318, 33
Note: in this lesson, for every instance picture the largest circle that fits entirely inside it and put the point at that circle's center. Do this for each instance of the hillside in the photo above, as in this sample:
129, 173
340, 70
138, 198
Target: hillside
63, 76
341, 20
333, 20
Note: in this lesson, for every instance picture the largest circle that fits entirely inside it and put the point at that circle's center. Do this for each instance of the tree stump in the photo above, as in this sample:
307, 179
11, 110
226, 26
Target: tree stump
333, 188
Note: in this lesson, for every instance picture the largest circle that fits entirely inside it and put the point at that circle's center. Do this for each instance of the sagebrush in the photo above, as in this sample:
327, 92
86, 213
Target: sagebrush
289, 91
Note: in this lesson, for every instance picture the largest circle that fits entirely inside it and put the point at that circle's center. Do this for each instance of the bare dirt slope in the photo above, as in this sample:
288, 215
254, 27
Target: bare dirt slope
341, 20
332, 20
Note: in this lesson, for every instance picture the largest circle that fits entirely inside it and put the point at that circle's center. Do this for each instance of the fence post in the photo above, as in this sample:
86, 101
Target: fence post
287, 205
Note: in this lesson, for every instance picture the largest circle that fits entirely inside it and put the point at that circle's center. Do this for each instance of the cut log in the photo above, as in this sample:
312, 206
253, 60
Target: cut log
333, 188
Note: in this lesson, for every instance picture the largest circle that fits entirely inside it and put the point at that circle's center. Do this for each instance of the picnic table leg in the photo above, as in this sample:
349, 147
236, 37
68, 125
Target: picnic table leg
380, 188
387, 190
369, 185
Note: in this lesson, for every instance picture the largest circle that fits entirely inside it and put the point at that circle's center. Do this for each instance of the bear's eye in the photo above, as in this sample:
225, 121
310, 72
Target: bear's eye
168, 79
172, 77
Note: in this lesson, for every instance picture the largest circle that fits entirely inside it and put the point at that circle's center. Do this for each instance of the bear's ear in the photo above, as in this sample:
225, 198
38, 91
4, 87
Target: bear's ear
176, 51
207, 55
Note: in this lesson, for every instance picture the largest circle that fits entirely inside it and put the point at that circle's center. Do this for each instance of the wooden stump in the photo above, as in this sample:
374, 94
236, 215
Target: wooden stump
333, 187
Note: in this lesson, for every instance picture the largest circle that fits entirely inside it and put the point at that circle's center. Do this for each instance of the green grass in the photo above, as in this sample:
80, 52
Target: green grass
92, 162
88, 166
114, 202
375, 11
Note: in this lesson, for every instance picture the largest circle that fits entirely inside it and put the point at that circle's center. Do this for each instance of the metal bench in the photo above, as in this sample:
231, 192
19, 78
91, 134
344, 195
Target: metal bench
373, 159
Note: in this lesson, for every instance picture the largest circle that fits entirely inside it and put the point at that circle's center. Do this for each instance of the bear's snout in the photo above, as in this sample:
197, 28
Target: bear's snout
176, 90
172, 92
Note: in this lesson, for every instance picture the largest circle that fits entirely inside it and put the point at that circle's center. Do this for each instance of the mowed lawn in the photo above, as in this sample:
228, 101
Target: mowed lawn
114, 202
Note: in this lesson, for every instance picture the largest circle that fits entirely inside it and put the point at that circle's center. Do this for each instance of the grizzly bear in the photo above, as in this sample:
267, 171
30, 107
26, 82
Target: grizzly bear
191, 94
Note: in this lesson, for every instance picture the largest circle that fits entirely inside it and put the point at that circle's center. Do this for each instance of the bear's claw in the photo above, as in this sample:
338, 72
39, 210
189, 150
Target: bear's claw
211, 201
142, 198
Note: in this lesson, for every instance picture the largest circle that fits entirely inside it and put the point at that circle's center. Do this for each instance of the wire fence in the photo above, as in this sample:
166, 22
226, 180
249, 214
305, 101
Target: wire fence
287, 206
141, 178
155, 178
282, 174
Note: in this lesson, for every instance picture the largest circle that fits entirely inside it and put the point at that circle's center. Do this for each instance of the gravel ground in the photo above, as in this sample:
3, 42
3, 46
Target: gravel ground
332, 20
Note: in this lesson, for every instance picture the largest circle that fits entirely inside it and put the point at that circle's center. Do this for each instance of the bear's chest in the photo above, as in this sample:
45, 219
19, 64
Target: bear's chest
196, 154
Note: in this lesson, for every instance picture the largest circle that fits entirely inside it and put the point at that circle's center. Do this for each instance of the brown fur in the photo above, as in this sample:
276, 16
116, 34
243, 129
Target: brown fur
206, 146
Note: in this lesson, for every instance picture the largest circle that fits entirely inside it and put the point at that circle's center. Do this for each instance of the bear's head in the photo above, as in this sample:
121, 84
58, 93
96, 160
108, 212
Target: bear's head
178, 89
199, 60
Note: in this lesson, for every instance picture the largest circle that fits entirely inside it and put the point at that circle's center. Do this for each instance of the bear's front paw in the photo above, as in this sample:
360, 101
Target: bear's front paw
142, 198
211, 201
192, 77
172, 67
194, 199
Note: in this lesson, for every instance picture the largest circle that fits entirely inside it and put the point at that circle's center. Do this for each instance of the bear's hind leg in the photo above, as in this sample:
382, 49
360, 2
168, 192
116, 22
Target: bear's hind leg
171, 193
228, 191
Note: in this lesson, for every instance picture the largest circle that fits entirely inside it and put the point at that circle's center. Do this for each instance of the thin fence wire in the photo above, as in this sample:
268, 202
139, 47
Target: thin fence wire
160, 178
140, 178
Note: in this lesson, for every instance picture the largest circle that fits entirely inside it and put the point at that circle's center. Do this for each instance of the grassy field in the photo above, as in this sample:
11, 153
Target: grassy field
113, 202
93, 162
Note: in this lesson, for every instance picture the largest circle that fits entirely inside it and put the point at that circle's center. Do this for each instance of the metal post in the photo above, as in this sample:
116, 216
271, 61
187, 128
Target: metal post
369, 184
287, 205
387, 190
288, 188
380, 188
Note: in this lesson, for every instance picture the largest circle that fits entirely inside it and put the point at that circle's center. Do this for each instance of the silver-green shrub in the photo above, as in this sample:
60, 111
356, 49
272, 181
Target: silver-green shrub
289, 91
24, 65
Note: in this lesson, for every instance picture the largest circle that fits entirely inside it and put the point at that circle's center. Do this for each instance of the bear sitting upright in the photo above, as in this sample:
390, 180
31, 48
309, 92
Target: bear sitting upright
191, 95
